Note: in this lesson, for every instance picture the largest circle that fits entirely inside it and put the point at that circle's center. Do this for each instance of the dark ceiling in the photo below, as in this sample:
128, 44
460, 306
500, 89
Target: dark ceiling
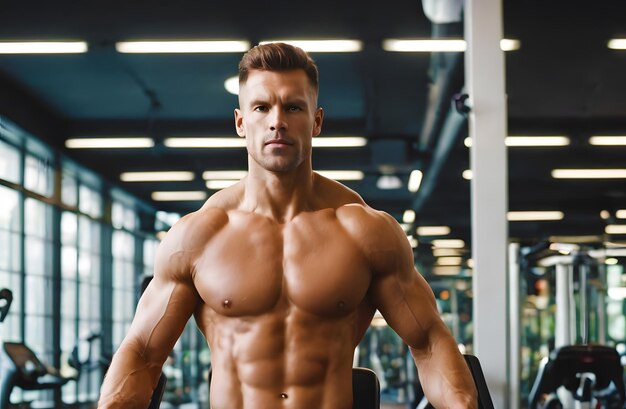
563, 80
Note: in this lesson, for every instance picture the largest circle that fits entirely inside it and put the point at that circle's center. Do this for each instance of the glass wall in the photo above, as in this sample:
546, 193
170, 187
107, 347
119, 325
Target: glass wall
73, 275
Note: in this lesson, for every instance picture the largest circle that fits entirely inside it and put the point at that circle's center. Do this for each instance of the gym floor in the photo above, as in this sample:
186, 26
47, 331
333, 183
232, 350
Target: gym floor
387, 405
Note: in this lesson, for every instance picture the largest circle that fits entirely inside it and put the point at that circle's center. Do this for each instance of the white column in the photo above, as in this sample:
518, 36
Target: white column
514, 349
484, 80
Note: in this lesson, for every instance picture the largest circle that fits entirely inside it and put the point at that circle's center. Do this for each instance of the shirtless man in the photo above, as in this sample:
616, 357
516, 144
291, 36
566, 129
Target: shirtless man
284, 271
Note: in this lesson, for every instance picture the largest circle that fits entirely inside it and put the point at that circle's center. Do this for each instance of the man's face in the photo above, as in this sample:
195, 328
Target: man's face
278, 116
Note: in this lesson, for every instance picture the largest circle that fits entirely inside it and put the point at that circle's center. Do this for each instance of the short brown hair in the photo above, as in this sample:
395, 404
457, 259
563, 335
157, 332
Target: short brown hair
278, 57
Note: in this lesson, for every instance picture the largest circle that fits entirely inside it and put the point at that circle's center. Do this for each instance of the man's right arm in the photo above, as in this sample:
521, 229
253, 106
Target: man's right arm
162, 313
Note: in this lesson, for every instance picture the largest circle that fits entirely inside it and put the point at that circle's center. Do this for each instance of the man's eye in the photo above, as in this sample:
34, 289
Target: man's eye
293, 108
260, 108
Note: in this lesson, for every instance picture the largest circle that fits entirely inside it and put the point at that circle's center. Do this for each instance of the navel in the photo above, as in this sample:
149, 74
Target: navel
283, 396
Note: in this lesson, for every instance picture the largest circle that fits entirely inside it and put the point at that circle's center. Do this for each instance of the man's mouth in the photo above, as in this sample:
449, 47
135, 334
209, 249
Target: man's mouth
278, 141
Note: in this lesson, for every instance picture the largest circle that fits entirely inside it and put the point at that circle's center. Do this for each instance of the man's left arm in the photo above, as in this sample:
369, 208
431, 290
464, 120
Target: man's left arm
407, 302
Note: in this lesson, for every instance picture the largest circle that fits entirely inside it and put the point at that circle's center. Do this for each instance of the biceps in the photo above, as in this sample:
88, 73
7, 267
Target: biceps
409, 307
161, 316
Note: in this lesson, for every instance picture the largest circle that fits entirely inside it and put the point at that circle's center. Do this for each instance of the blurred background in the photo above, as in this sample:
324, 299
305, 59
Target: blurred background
105, 144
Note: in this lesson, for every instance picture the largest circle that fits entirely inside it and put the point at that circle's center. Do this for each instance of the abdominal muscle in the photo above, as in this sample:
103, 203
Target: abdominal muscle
284, 359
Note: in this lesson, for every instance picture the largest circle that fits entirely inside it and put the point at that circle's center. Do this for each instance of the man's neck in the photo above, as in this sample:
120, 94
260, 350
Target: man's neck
279, 195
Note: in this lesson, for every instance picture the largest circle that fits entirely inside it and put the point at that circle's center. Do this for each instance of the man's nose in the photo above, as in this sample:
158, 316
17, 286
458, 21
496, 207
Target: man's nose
278, 120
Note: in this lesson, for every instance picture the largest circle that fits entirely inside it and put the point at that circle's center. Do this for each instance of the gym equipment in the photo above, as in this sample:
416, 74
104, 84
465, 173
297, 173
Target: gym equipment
19, 366
579, 371
591, 373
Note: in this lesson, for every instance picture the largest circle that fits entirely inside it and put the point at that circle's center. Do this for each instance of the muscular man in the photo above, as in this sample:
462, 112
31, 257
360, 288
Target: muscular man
284, 271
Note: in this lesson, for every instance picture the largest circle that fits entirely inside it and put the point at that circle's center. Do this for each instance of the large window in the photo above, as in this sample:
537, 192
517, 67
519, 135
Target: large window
125, 274
10, 259
66, 266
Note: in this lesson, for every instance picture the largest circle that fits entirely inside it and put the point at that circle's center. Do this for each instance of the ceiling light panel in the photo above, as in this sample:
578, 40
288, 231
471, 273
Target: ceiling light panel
339, 142
415, 180
323, 46
433, 231
617, 44
342, 174
164, 196
607, 140
192, 143
224, 174
217, 184
589, 173
43, 47
519, 216
160, 47
439, 45
164, 176
529, 141
108, 143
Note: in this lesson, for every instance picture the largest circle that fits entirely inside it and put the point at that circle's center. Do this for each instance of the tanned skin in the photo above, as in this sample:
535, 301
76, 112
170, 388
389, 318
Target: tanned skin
283, 273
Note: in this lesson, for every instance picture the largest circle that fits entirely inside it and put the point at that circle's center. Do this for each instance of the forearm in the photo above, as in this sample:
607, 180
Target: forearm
444, 375
130, 380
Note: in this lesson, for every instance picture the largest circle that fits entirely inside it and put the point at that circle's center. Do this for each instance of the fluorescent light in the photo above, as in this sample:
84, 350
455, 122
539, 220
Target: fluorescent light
166, 176
534, 216
43, 47
446, 270
224, 174
227, 142
611, 261
323, 46
470, 263
607, 140
182, 46
449, 243
537, 141
106, 143
604, 214
621, 214
617, 44
467, 174
433, 231
408, 216
412, 241
415, 180
615, 229
517, 141
339, 142
442, 252
589, 173
439, 45
449, 261
424, 46
218, 184
161, 235
178, 196
232, 85
388, 182
342, 174
507, 44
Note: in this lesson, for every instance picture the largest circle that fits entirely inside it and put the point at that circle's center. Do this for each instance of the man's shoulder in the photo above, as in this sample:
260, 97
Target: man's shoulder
362, 219
196, 228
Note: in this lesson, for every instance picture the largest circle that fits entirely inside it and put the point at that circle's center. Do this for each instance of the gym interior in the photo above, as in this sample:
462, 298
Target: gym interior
494, 132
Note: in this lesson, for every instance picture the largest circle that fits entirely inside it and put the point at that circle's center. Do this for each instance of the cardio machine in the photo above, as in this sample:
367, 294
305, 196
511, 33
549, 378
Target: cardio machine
19, 366
592, 374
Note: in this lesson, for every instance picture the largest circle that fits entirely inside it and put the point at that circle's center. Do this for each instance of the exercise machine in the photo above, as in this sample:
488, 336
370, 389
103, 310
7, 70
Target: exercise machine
579, 371
19, 366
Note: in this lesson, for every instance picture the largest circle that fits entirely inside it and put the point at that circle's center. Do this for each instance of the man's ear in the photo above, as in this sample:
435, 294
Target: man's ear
319, 118
239, 123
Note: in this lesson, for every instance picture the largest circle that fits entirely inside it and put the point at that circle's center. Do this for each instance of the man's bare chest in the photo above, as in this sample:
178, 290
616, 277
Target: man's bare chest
257, 266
